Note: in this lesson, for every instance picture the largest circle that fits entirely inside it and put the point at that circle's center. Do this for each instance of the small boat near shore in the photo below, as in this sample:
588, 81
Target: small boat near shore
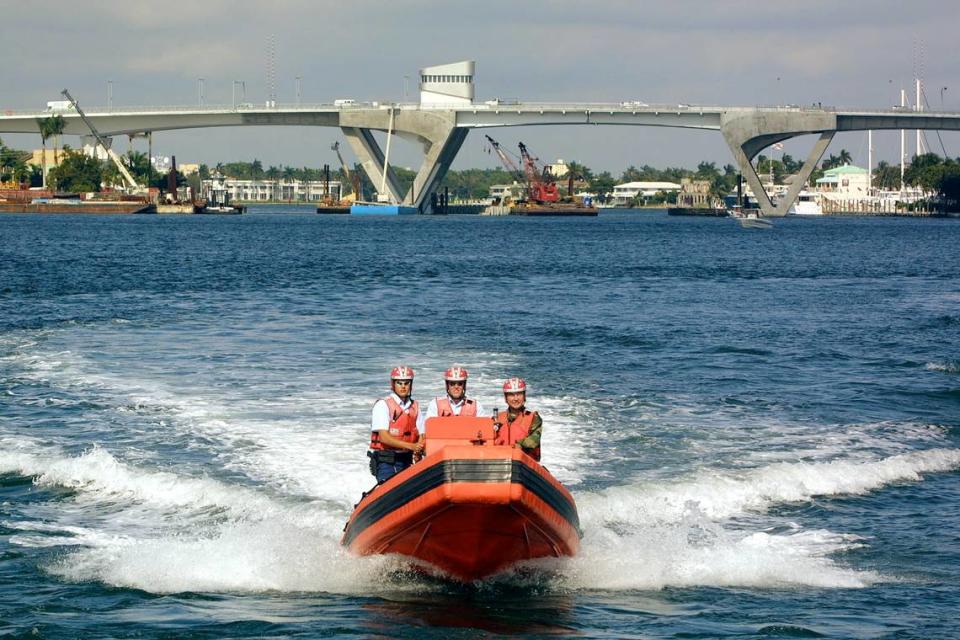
712, 212
469, 509
751, 219
807, 203
221, 210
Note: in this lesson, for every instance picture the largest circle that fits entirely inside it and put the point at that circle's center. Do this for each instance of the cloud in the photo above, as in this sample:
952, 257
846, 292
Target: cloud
857, 53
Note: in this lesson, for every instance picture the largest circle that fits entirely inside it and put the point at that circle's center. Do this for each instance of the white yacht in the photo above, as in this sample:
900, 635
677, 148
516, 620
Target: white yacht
807, 204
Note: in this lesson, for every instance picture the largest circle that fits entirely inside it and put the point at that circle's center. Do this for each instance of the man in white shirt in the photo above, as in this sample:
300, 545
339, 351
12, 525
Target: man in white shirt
396, 423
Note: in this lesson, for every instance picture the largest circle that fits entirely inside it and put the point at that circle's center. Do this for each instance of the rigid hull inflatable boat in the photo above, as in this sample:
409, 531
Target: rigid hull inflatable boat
470, 508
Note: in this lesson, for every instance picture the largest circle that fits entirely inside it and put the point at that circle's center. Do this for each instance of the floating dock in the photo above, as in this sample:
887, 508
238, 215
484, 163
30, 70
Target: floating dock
377, 209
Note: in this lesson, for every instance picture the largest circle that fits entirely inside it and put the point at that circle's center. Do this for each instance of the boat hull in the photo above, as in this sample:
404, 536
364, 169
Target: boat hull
712, 212
83, 207
554, 211
468, 511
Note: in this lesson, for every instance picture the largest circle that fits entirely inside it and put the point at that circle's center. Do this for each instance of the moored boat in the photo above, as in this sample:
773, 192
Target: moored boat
469, 509
807, 204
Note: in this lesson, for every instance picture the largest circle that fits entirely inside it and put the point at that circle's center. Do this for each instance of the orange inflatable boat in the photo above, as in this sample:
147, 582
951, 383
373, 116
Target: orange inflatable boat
469, 508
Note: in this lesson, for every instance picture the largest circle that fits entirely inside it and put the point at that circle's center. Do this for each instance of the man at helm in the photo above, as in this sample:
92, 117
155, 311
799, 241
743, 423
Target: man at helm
396, 425
456, 402
517, 426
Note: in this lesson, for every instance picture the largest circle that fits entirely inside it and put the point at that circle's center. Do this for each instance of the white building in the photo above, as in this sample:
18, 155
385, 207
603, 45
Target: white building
558, 169
624, 194
268, 190
847, 182
447, 84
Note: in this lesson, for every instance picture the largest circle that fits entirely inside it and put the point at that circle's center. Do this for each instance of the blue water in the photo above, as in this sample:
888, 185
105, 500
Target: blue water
760, 427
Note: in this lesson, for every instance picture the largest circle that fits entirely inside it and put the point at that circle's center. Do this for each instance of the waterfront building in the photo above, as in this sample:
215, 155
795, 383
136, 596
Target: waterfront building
846, 182
284, 190
694, 193
627, 193
558, 169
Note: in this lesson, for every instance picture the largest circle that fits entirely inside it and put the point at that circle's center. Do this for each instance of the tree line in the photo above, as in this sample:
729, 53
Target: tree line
75, 171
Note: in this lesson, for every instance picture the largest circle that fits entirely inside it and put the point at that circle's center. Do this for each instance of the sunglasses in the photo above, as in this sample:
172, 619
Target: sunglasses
456, 383
403, 382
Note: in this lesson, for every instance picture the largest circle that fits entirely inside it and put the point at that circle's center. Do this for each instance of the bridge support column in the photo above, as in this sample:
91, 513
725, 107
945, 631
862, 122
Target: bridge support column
435, 165
435, 131
749, 133
372, 160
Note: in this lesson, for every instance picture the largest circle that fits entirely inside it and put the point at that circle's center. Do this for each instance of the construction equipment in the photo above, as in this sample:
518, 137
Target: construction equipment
541, 187
354, 179
506, 160
134, 187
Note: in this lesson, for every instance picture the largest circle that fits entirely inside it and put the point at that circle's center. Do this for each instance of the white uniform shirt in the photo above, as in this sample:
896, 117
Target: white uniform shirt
380, 420
433, 411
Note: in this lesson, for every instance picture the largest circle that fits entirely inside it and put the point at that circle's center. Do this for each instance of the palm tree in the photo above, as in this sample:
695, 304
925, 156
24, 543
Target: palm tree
46, 130
845, 157
57, 125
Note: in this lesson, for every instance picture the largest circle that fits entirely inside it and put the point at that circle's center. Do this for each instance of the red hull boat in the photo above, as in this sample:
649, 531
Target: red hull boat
469, 508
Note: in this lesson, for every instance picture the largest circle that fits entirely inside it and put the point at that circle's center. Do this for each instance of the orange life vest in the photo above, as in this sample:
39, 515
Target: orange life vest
445, 407
403, 425
513, 432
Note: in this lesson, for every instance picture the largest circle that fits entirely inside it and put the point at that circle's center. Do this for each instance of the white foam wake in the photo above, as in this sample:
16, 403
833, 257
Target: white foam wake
723, 494
102, 481
948, 366
649, 537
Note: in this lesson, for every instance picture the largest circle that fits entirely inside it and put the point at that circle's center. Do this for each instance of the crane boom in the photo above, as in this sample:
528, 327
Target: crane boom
505, 159
336, 148
103, 143
354, 179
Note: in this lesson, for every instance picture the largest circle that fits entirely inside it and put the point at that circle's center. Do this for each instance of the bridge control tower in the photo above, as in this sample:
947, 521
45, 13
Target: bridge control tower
447, 84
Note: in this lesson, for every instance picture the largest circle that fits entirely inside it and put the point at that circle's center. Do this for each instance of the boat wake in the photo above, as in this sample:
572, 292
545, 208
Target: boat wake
127, 526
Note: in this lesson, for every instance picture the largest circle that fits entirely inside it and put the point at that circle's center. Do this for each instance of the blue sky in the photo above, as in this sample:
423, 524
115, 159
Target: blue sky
737, 52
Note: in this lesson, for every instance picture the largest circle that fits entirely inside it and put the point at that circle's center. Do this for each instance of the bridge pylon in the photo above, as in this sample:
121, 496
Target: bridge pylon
749, 132
435, 131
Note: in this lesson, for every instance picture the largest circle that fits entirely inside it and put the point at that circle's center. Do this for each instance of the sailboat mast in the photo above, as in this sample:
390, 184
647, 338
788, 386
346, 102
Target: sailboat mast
919, 107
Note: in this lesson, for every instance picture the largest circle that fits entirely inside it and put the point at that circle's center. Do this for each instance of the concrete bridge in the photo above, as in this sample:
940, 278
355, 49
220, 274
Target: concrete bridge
446, 113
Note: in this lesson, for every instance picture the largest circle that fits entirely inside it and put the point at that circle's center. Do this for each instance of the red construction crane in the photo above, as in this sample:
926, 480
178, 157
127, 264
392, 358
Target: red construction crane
541, 186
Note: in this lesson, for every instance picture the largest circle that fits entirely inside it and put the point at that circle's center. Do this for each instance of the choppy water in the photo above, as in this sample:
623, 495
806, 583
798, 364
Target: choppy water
760, 427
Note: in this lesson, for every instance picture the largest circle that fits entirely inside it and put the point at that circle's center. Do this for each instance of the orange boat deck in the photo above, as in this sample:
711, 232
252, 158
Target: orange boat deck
469, 508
